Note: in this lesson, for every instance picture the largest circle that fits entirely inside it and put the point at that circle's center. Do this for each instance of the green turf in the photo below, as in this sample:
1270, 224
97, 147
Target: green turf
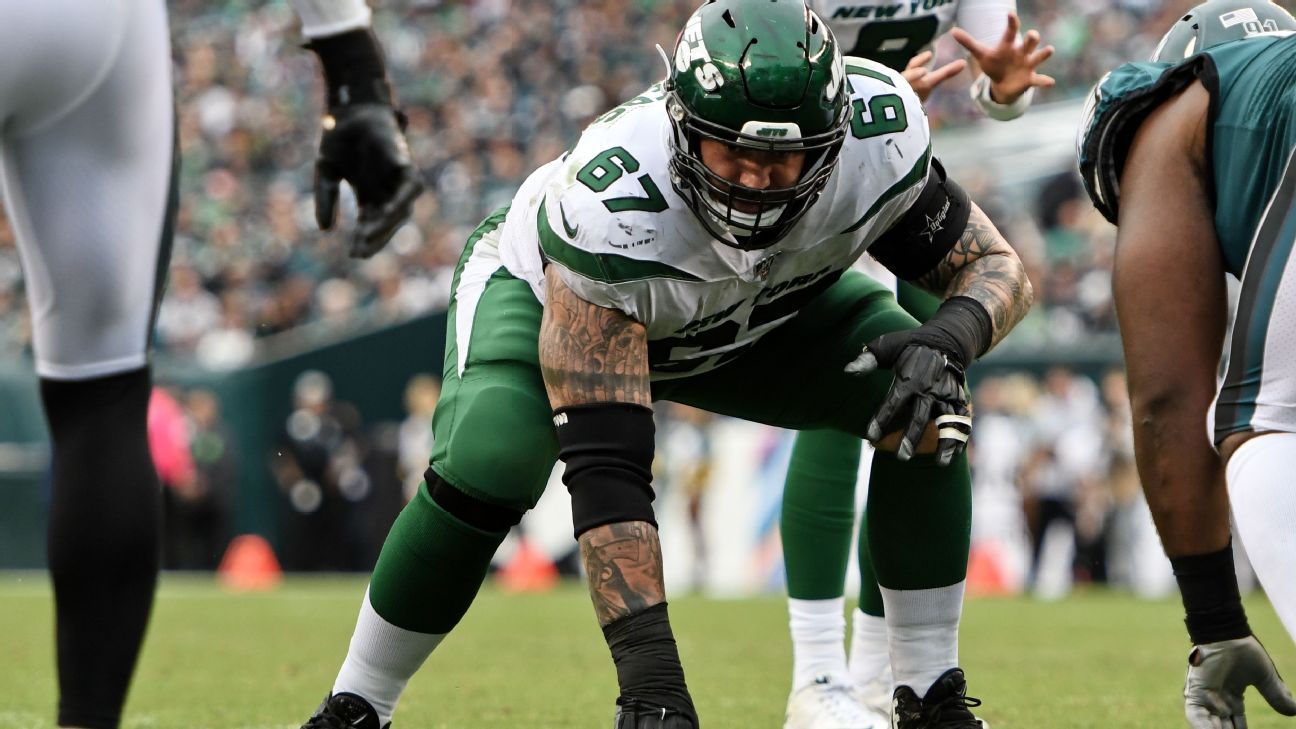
249, 661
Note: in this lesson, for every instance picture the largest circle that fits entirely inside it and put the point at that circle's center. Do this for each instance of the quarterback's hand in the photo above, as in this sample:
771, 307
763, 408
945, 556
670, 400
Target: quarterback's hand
364, 144
923, 79
1009, 65
927, 382
1218, 674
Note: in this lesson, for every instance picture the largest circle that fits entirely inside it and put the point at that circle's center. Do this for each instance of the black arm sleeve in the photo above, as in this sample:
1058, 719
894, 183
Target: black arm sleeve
608, 448
928, 230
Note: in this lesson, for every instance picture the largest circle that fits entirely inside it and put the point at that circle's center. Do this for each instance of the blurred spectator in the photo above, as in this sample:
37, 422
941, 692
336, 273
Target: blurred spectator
197, 523
187, 312
489, 99
1058, 479
415, 436
684, 467
319, 470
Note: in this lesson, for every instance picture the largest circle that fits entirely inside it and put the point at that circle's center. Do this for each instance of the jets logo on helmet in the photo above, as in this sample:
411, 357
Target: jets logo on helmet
692, 47
764, 75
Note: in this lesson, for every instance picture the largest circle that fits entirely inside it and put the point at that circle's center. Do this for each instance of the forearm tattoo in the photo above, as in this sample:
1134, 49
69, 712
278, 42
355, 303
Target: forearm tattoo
984, 267
590, 353
623, 564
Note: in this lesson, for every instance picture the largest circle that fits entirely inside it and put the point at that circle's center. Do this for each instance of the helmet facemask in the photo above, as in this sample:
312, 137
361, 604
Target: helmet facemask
761, 75
717, 200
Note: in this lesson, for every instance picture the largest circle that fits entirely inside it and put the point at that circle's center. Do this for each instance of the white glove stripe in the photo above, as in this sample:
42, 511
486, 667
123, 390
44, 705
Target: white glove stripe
950, 418
952, 434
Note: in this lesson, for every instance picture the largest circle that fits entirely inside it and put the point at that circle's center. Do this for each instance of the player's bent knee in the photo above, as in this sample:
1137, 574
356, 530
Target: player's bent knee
926, 446
469, 509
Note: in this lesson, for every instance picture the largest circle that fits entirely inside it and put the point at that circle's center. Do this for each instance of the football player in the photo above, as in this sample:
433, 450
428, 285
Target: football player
88, 170
818, 513
1191, 156
696, 246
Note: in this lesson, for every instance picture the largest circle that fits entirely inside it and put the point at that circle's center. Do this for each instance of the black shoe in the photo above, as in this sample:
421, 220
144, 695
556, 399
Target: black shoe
634, 714
344, 711
946, 705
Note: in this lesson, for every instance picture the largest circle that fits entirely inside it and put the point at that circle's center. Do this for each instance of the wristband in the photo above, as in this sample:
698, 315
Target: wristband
980, 93
354, 71
967, 328
330, 17
1212, 604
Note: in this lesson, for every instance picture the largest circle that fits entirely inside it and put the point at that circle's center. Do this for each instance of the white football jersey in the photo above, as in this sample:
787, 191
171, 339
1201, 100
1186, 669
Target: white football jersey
608, 216
893, 31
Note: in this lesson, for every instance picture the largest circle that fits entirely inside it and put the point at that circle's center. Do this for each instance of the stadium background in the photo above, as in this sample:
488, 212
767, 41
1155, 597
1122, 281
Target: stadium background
295, 384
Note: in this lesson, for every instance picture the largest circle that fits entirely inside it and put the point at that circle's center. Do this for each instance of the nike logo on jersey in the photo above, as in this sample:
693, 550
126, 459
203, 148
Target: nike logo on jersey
571, 229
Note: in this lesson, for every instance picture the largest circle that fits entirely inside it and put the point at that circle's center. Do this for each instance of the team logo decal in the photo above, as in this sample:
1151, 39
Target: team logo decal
692, 49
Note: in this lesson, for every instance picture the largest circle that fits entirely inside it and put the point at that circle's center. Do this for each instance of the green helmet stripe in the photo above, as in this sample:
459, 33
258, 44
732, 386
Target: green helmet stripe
857, 70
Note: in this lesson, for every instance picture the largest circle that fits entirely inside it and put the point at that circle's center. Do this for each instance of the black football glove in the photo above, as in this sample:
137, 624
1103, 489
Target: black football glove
926, 383
928, 364
363, 142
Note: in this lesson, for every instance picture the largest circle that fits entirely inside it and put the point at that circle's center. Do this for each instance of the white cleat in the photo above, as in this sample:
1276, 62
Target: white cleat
875, 695
828, 704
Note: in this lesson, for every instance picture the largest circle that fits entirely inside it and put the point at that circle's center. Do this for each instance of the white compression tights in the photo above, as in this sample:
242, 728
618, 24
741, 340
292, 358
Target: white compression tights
1263, 496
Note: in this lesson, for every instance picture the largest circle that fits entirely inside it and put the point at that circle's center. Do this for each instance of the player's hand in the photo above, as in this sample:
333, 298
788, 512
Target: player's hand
926, 382
364, 144
923, 79
1218, 674
1010, 65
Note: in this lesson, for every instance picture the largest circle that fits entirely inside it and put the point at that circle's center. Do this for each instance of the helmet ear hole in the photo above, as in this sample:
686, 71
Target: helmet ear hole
728, 18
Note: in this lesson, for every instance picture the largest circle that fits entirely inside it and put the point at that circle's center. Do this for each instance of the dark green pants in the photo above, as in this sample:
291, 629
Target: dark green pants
494, 439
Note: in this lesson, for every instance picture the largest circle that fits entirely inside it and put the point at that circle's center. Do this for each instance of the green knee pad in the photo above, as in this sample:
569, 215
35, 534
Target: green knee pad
919, 521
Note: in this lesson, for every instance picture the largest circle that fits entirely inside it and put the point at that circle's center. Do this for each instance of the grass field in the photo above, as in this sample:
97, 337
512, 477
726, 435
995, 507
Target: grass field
255, 661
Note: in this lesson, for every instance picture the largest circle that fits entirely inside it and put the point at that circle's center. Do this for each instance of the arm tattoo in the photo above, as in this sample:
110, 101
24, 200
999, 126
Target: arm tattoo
623, 564
589, 353
984, 267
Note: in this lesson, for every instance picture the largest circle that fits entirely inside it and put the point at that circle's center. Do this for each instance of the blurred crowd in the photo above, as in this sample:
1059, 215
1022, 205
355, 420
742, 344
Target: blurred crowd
493, 89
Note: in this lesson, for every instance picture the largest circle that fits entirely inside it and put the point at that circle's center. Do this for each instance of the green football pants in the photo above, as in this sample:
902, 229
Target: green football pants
494, 440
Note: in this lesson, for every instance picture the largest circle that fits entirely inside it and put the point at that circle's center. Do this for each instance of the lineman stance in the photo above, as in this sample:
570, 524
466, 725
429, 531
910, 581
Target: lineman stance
86, 125
1191, 155
819, 497
695, 246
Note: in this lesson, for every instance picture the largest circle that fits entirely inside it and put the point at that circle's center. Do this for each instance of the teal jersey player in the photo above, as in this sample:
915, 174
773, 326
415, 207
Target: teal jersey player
1191, 156
1252, 127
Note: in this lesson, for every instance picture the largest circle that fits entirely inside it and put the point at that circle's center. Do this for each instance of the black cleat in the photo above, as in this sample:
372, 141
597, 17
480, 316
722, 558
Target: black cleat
344, 711
634, 714
946, 705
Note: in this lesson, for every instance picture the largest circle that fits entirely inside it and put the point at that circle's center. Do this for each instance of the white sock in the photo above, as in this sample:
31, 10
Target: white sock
381, 660
922, 627
1264, 507
870, 651
818, 639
